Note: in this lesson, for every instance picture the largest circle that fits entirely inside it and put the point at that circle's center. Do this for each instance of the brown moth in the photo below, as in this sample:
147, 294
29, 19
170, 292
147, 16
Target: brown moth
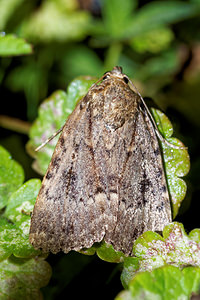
106, 178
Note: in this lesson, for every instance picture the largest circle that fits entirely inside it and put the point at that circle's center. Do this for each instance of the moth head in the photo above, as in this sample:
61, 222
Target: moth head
116, 72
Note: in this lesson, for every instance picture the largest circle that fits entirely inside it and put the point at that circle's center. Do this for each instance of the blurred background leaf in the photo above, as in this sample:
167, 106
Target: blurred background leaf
56, 21
11, 45
22, 278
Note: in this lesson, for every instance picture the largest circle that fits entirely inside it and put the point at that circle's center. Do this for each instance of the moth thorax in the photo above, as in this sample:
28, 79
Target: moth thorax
119, 106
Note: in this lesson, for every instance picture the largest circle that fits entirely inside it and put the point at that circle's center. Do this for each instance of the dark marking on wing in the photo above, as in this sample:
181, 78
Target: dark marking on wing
56, 162
76, 147
49, 175
163, 188
62, 141
99, 190
157, 151
144, 185
161, 207
114, 191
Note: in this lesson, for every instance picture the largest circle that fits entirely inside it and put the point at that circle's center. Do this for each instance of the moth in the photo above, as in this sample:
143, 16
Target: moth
106, 179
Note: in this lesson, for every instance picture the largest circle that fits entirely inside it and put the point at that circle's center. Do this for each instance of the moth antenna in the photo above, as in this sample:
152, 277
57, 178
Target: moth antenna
49, 139
159, 135
100, 79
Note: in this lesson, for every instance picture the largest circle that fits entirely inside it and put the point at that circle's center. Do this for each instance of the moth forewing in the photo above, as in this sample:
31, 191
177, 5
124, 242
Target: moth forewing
106, 178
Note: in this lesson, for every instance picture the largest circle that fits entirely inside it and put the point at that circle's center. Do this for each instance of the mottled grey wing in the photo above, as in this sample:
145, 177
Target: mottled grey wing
101, 183
144, 202
71, 210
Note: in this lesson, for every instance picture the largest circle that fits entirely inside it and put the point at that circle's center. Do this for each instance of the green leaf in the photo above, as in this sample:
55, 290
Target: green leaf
158, 13
7, 8
163, 283
77, 89
131, 266
8, 233
81, 61
121, 23
163, 65
124, 295
12, 45
11, 176
22, 279
14, 241
106, 252
53, 22
195, 235
52, 116
153, 41
177, 163
151, 251
30, 78
21, 203
117, 15
91, 250
175, 247
14, 231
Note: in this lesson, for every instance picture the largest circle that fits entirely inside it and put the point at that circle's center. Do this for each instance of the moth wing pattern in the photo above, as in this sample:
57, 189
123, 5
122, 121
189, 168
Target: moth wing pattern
71, 212
144, 202
106, 178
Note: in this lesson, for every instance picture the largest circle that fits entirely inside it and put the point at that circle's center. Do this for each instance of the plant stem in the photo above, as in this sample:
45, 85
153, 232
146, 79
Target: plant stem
15, 124
112, 55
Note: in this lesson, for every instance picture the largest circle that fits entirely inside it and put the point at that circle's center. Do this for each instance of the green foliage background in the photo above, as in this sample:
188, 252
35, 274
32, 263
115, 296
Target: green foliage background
56, 49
